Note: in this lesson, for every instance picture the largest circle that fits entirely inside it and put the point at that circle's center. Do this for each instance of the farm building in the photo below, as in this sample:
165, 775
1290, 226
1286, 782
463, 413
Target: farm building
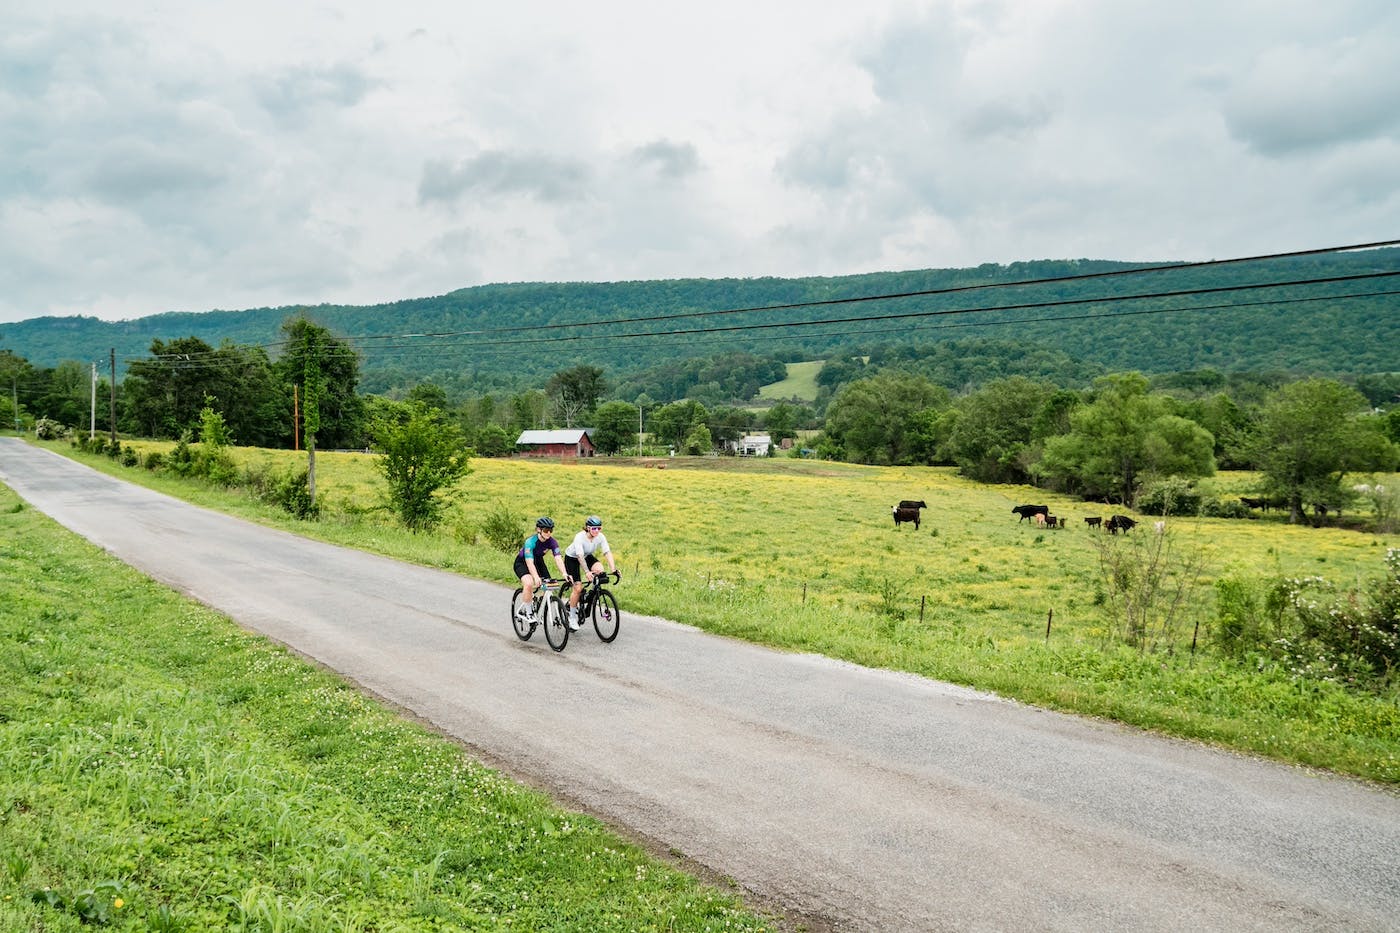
569, 442
753, 445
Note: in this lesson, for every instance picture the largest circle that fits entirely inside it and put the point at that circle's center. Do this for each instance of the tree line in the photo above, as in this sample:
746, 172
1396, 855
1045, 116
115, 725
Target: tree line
1338, 329
996, 412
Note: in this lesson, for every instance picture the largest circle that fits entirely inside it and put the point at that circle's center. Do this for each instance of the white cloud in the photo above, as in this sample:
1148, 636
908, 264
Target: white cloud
162, 155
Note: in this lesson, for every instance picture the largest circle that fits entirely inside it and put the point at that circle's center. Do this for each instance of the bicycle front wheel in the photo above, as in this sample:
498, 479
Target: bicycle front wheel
556, 623
606, 616
523, 629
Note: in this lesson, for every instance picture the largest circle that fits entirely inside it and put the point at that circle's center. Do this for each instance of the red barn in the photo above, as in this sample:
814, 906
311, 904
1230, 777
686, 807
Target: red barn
568, 442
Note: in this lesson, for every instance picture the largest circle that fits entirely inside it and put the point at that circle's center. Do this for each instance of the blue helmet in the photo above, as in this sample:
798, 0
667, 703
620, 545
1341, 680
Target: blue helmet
593, 521
545, 522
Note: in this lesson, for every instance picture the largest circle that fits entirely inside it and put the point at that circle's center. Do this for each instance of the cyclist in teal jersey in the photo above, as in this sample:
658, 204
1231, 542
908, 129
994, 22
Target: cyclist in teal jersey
529, 563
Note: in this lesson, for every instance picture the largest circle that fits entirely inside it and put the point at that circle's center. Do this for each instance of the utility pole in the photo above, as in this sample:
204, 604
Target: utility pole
639, 432
114, 396
92, 428
296, 418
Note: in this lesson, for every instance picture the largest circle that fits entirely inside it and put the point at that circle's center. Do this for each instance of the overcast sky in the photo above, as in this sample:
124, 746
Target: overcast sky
201, 154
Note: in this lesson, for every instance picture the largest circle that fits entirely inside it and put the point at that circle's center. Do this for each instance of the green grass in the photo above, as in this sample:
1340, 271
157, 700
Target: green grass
801, 383
803, 555
161, 769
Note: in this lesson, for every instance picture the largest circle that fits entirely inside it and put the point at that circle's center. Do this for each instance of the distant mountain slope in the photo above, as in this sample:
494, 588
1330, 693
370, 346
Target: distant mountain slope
507, 336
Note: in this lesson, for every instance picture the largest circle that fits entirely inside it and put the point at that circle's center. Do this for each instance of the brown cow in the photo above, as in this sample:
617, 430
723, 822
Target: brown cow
905, 515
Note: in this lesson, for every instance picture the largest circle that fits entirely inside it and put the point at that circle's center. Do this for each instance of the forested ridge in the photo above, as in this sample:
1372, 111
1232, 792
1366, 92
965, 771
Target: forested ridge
509, 336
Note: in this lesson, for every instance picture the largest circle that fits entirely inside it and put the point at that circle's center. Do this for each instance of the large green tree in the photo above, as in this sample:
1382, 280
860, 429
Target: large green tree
615, 427
1124, 436
784, 418
13, 370
673, 423
1310, 435
996, 426
327, 371
423, 458
164, 394
64, 394
574, 393
877, 420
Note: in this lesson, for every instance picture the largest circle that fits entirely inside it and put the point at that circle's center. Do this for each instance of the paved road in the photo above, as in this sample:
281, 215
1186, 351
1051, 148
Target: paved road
858, 799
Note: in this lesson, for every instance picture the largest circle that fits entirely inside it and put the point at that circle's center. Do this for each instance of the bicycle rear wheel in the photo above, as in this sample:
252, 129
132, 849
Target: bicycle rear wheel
556, 623
523, 629
606, 616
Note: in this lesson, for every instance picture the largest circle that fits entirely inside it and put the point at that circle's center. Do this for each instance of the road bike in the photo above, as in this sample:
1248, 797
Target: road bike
597, 601
547, 610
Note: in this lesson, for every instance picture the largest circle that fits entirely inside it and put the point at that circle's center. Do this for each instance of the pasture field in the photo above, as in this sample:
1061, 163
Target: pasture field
163, 770
801, 383
804, 556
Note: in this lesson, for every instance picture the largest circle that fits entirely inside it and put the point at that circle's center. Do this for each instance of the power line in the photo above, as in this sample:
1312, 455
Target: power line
362, 340
939, 312
922, 293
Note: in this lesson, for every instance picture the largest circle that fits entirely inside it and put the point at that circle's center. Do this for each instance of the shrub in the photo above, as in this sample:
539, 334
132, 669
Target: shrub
47, 429
500, 526
1149, 585
1170, 495
216, 465
1224, 508
1314, 630
292, 491
1239, 616
260, 480
154, 460
181, 459
423, 458
130, 457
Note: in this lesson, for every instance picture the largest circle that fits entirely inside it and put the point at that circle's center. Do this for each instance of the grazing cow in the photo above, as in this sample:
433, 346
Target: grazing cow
905, 515
1094, 521
912, 504
1120, 523
1253, 503
1029, 511
1054, 521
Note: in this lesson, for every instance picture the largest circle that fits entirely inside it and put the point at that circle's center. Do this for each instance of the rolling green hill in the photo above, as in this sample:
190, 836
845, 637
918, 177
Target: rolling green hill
505, 337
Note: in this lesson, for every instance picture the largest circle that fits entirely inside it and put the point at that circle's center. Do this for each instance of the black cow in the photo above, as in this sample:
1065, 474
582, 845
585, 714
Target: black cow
1252, 503
905, 515
912, 504
1120, 523
1094, 521
1029, 511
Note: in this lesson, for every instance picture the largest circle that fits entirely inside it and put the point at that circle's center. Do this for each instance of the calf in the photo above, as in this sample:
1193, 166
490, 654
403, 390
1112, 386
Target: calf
1094, 521
1029, 511
905, 515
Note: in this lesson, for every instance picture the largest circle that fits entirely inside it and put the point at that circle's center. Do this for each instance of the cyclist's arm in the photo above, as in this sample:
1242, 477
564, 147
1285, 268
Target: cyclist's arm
558, 553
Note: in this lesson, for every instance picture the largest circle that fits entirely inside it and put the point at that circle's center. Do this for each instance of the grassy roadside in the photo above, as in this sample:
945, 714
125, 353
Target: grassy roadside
161, 769
803, 556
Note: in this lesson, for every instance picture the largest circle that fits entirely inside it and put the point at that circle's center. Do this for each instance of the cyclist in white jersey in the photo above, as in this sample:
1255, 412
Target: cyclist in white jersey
579, 564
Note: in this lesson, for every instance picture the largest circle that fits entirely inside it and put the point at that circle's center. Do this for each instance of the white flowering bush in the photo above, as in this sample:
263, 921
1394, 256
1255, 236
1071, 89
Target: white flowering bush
1315, 629
47, 429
